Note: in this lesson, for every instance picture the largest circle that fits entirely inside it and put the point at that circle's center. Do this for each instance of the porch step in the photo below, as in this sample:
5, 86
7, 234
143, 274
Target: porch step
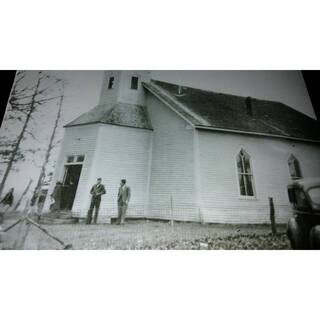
61, 217
58, 220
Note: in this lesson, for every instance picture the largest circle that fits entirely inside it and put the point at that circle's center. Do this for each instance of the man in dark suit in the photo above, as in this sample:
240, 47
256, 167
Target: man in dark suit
124, 195
96, 192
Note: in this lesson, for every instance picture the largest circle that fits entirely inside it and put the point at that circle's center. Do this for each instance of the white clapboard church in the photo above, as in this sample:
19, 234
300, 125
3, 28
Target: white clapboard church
187, 154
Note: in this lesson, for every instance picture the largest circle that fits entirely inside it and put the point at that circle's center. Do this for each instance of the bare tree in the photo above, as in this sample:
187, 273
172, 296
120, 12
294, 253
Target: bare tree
23, 195
14, 114
51, 144
23, 103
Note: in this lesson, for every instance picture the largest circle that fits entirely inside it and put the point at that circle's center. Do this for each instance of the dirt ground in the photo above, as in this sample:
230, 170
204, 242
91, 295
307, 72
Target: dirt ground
151, 235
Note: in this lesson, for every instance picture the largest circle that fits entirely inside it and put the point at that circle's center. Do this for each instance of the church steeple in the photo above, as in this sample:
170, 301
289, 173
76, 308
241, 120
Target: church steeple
123, 87
122, 101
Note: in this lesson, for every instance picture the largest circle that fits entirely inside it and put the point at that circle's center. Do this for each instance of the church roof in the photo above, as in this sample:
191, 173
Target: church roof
211, 110
122, 114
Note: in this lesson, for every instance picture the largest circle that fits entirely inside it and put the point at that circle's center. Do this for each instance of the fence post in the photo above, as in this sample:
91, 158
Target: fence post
201, 216
171, 203
272, 217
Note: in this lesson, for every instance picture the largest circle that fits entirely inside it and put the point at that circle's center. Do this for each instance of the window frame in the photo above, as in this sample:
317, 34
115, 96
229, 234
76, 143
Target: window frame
291, 160
111, 82
75, 158
71, 157
67, 164
301, 206
238, 173
312, 198
131, 83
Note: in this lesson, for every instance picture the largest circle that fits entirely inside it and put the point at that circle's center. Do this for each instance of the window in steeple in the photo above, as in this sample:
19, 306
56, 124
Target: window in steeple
134, 83
111, 83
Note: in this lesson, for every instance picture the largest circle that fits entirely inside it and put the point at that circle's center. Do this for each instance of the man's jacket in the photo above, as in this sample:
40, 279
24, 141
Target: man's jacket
97, 190
124, 194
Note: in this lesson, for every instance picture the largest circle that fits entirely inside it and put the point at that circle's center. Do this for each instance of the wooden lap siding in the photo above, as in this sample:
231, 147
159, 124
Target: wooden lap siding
177, 172
122, 153
220, 198
79, 140
172, 165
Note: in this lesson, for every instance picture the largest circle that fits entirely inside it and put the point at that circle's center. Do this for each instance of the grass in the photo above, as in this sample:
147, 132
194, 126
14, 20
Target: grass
152, 235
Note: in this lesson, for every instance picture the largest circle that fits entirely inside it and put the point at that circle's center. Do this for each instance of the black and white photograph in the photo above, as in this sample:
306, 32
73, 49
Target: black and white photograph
160, 160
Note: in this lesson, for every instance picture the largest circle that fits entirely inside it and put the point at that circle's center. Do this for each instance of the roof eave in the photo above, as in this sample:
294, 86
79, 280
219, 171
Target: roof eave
105, 123
68, 125
255, 133
167, 103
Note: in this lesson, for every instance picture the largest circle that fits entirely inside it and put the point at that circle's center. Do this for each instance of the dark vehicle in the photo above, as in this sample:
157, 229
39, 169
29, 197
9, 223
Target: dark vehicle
303, 228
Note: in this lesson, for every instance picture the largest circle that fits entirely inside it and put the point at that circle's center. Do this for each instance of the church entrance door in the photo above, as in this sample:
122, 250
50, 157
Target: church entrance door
70, 184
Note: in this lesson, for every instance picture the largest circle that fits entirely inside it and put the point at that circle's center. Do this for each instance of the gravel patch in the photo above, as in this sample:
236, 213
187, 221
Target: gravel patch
147, 235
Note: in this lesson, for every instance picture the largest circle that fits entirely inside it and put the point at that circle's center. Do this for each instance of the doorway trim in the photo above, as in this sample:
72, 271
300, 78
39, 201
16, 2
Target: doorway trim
73, 160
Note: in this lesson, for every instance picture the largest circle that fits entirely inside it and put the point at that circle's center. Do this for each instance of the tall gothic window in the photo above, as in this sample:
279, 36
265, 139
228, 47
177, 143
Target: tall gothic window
245, 174
294, 167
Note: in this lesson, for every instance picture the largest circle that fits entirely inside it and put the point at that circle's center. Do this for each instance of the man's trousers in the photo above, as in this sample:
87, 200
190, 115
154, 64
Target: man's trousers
122, 210
95, 204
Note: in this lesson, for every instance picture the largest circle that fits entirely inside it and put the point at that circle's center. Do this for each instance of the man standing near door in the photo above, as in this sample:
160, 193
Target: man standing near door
96, 192
124, 195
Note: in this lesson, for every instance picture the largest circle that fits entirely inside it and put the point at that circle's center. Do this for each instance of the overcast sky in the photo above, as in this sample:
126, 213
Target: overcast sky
284, 86
83, 89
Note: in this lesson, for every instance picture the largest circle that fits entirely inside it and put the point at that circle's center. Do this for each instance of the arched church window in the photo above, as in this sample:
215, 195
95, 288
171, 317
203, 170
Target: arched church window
245, 174
294, 167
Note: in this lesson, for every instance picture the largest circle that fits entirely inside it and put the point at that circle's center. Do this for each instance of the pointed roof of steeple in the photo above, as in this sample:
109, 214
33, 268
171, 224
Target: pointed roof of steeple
122, 114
